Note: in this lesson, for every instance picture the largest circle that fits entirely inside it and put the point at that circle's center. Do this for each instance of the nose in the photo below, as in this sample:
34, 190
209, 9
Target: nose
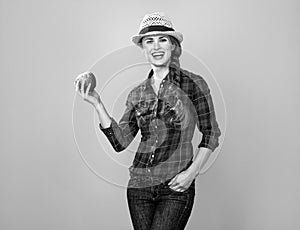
156, 45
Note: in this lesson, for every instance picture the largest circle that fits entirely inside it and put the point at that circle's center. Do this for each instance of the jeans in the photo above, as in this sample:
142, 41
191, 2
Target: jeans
158, 207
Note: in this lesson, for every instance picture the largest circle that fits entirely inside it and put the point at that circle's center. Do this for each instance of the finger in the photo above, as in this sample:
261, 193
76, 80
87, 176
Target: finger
82, 87
172, 181
179, 188
88, 89
175, 186
77, 86
79, 76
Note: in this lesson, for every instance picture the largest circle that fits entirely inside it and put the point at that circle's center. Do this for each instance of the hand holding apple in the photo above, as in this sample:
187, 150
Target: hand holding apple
85, 84
85, 79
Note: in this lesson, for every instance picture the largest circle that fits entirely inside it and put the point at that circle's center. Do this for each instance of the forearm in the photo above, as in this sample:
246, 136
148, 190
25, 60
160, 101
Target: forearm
120, 134
103, 115
200, 160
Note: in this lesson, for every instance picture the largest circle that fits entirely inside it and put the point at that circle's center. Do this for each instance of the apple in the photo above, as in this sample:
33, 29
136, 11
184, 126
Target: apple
87, 78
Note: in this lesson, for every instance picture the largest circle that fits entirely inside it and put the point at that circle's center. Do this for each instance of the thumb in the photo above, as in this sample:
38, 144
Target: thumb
172, 181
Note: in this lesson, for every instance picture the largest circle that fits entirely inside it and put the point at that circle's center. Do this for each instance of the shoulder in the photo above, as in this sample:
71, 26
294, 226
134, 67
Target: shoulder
140, 87
137, 91
197, 80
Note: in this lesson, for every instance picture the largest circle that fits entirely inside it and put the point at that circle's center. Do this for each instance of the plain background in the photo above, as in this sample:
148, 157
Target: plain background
252, 47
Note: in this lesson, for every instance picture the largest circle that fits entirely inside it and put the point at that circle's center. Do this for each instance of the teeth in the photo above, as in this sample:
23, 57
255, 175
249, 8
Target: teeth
158, 54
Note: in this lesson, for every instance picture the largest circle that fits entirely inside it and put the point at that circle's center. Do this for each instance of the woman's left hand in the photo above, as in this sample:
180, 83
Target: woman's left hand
182, 181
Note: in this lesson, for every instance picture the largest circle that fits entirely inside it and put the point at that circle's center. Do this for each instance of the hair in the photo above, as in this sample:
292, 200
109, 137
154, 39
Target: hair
176, 53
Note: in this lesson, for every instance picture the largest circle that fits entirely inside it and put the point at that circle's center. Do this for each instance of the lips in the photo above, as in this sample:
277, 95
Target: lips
158, 54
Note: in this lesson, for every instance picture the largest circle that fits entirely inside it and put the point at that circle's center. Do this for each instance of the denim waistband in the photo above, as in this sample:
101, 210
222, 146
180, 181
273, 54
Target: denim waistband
142, 172
150, 179
146, 181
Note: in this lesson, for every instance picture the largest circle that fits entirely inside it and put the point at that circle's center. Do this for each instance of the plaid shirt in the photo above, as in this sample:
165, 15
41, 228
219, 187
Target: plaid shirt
167, 121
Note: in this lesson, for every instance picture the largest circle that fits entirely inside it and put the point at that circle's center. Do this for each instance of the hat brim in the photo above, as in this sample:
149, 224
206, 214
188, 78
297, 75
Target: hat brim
136, 39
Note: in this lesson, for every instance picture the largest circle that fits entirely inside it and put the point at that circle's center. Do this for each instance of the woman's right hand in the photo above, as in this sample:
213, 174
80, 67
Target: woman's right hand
92, 97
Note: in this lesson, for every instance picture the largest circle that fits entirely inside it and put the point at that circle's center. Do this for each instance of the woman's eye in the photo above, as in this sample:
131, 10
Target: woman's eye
149, 42
163, 40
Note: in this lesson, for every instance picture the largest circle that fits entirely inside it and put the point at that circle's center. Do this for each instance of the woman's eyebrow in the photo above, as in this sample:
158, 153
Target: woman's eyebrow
160, 37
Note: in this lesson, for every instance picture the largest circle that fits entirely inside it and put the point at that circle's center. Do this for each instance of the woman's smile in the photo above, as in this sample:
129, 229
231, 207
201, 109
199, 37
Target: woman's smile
158, 49
158, 55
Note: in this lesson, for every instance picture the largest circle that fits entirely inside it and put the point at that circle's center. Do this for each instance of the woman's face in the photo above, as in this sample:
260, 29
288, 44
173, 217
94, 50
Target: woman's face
158, 49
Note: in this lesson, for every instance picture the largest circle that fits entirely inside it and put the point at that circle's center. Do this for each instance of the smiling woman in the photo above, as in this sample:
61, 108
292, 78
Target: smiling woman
158, 49
166, 107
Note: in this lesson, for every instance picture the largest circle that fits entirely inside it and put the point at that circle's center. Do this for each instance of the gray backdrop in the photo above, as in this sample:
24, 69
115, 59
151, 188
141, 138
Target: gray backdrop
252, 48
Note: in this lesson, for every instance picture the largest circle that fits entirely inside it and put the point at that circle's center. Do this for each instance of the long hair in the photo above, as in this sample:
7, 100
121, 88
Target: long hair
176, 53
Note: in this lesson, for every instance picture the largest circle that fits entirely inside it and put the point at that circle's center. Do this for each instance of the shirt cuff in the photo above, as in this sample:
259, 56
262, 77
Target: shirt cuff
205, 146
109, 130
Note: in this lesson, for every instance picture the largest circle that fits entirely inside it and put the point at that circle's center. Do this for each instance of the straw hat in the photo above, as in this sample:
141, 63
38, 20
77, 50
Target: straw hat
153, 24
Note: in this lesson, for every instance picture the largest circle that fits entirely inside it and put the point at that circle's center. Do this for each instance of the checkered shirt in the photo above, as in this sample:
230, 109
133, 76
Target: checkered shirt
167, 122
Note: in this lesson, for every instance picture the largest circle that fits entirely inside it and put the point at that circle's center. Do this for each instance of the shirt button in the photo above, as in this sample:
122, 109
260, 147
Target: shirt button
152, 155
156, 141
148, 170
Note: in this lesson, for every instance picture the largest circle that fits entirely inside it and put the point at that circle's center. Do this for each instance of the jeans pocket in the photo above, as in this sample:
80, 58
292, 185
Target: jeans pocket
174, 191
190, 188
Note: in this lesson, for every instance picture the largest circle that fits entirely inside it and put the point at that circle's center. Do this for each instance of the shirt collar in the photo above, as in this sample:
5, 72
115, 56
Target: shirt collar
173, 76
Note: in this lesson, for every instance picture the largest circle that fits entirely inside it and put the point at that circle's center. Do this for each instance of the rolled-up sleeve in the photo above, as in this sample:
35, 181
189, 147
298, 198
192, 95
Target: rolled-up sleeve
121, 134
206, 117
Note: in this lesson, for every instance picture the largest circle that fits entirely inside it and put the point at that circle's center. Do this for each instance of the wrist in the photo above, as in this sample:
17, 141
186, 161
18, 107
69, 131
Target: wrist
193, 170
98, 106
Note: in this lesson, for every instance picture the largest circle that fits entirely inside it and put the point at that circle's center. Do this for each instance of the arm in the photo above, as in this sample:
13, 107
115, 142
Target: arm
206, 117
199, 161
103, 115
120, 135
93, 98
208, 126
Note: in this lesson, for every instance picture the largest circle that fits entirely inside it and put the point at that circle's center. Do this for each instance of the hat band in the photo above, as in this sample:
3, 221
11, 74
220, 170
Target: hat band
155, 28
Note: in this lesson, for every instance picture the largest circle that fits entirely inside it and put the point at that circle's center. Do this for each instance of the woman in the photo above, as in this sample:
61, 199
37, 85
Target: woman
166, 107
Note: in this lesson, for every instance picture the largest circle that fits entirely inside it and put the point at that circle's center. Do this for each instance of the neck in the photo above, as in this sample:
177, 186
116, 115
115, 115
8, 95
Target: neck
159, 72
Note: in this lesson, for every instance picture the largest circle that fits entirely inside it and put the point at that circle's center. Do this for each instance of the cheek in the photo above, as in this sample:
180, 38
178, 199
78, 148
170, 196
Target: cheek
169, 53
169, 49
147, 54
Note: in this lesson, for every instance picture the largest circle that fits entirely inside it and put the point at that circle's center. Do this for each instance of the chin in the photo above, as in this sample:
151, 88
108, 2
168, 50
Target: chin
160, 63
